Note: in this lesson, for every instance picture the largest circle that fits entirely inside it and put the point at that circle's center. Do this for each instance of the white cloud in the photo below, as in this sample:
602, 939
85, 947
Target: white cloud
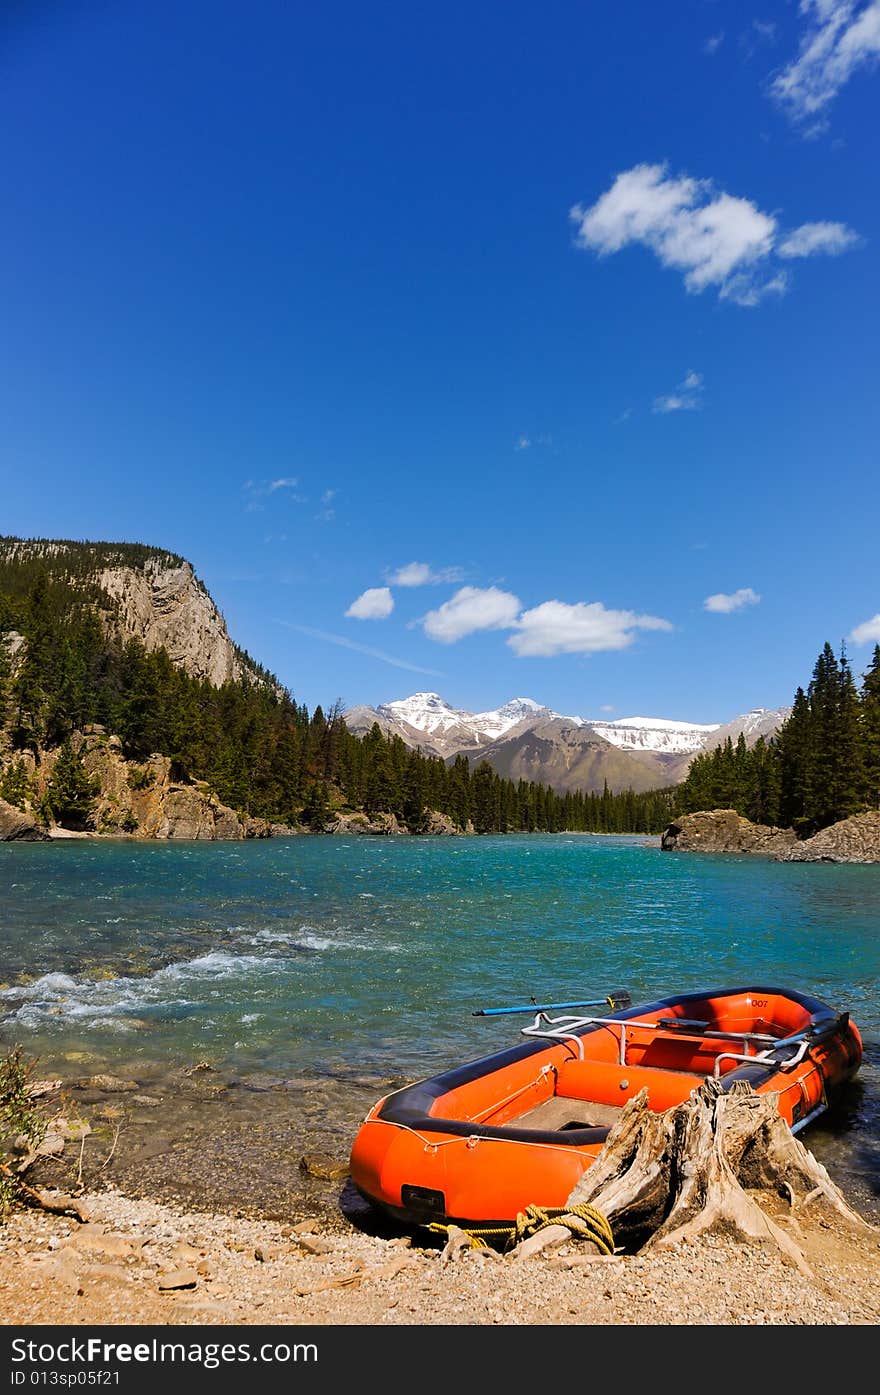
376, 603
744, 290
687, 397
756, 36
556, 627
721, 604
525, 442
714, 42
255, 490
810, 238
607, 707
868, 632
841, 37
471, 609
423, 574
715, 239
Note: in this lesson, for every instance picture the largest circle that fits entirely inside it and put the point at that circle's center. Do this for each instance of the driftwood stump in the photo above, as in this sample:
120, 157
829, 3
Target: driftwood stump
663, 1178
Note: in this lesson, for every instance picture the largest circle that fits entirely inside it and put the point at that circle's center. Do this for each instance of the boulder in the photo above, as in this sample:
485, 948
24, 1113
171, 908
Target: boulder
856, 839
725, 831
440, 825
378, 823
18, 827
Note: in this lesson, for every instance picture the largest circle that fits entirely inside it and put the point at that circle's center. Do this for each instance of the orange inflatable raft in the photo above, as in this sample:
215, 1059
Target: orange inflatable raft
479, 1143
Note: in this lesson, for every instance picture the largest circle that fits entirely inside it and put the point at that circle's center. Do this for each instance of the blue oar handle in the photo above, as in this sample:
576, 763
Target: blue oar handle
614, 1000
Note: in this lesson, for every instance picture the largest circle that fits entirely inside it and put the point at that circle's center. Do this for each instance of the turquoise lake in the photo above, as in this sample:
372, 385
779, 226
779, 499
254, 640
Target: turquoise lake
332, 958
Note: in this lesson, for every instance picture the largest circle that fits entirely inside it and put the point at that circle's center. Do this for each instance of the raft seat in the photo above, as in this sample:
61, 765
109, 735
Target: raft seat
607, 1083
563, 1113
675, 1053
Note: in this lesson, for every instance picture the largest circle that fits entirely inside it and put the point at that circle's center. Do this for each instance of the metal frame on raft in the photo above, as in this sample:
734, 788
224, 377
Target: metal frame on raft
567, 1028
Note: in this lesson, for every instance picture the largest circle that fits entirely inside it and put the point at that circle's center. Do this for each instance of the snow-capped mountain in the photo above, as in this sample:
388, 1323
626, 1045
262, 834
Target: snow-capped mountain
655, 734
430, 713
524, 739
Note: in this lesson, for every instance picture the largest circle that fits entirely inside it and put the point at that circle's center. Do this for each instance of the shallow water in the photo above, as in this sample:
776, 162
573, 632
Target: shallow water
315, 971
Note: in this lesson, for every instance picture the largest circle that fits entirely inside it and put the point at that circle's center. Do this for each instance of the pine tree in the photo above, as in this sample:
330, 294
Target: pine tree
15, 787
849, 746
833, 778
316, 810
34, 681
794, 744
70, 794
870, 704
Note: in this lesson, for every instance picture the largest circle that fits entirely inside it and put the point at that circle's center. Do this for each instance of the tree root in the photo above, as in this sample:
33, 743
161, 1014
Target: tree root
666, 1178
60, 1204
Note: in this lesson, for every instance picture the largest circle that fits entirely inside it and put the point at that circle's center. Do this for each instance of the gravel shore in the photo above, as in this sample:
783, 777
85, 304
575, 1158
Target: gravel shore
143, 1262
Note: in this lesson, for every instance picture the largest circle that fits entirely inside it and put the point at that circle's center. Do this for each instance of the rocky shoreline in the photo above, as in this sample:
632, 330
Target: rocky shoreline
139, 1261
853, 840
143, 801
169, 1235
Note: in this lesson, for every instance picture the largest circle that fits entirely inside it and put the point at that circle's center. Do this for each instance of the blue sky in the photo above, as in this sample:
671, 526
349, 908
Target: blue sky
489, 349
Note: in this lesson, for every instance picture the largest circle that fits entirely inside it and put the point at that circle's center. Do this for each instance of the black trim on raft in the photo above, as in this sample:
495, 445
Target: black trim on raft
411, 1106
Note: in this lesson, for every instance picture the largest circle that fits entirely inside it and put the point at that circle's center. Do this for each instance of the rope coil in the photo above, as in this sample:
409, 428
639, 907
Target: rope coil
586, 1222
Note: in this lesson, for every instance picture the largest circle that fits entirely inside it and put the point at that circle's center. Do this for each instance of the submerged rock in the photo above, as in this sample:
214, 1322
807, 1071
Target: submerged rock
323, 1166
108, 1084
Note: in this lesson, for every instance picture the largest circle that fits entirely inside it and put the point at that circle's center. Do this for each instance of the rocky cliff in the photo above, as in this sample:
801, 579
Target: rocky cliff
164, 606
140, 592
856, 839
137, 799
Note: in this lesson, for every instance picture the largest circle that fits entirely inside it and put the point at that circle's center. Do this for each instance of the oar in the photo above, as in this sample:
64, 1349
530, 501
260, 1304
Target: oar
613, 1000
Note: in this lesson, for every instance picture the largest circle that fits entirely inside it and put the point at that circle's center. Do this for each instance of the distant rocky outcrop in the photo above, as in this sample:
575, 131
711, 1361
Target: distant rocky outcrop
724, 831
856, 839
441, 825
18, 827
357, 823
436, 824
136, 799
145, 800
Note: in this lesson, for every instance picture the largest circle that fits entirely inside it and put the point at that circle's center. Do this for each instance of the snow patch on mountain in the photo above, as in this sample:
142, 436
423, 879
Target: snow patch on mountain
430, 713
656, 734
433, 715
448, 729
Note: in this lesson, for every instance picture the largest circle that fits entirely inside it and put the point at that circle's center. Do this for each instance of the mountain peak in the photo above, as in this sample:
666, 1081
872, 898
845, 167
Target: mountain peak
524, 739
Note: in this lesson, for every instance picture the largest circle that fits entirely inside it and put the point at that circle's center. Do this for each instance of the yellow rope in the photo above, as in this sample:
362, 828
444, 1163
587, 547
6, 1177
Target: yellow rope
586, 1222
